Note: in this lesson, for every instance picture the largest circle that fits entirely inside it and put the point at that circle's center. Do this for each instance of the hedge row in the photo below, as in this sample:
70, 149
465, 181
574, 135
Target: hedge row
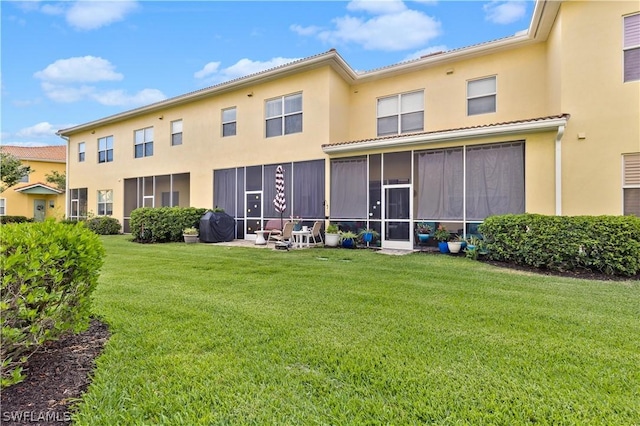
164, 224
607, 244
15, 219
49, 272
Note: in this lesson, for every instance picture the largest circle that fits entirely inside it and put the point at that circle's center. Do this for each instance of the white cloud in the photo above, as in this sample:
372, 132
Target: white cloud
305, 31
65, 81
122, 98
40, 130
52, 9
210, 68
425, 52
378, 7
79, 69
90, 15
504, 12
241, 68
391, 32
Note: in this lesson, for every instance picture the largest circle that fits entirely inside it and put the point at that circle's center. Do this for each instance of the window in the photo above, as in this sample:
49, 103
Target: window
81, 152
481, 96
632, 48
78, 204
284, 115
3, 206
229, 122
402, 113
144, 142
24, 179
631, 184
176, 132
105, 149
105, 202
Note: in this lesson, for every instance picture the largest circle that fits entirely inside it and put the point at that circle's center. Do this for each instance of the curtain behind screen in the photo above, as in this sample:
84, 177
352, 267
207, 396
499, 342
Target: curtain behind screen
349, 188
495, 180
308, 189
440, 175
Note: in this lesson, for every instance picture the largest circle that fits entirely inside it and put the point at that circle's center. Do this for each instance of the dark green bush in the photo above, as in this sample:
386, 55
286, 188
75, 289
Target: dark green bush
49, 272
607, 244
15, 219
104, 225
164, 224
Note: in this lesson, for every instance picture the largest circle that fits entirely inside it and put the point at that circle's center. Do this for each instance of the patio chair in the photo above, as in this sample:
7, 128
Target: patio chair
286, 233
315, 232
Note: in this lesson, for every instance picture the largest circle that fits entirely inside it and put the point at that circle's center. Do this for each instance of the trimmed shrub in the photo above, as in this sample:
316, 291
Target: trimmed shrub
15, 219
164, 224
606, 244
104, 225
49, 272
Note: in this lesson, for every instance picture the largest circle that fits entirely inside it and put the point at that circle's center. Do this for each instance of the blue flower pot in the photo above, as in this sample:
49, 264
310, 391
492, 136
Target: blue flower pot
443, 246
367, 238
347, 243
423, 238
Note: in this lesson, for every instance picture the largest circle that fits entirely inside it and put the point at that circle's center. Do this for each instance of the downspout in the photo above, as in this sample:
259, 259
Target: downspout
559, 170
66, 174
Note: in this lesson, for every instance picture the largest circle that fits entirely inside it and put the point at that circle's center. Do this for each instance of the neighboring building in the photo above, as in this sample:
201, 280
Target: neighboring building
544, 122
33, 197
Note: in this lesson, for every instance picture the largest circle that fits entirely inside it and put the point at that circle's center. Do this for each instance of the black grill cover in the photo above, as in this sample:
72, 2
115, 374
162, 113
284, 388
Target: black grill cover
216, 227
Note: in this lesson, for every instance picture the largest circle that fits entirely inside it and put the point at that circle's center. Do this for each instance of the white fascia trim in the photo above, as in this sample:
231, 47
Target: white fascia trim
453, 135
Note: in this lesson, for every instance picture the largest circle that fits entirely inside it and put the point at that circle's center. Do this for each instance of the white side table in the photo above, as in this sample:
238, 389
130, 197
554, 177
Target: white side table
260, 240
301, 238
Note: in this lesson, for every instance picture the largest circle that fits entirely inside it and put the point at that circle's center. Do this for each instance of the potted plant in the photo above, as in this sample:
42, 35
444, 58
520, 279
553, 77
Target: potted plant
455, 245
423, 230
368, 235
190, 235
442, 235
332, 236
348, 239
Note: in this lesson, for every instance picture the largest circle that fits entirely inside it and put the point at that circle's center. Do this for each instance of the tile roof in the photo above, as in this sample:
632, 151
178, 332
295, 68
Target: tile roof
55, 153
404, 135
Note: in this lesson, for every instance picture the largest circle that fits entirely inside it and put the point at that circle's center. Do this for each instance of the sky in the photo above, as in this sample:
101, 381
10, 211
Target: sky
65, 63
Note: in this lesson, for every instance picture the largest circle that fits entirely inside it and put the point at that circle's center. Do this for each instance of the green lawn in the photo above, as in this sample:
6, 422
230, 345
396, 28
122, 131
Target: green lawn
204, 334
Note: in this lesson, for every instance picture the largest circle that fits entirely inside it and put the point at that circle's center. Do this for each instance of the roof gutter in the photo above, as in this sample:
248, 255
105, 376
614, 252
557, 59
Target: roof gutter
450, 135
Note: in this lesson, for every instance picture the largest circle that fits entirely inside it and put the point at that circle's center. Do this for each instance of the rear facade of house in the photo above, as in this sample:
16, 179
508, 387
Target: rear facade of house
543, 122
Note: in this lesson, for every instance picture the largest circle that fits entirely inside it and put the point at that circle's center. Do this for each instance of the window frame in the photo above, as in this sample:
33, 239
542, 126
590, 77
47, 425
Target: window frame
399, 114
631, 47
231, 124
82, 152
108, 149
493, 95
147, 145
105, 202
174, 133
3, 206
630, 179
283, 114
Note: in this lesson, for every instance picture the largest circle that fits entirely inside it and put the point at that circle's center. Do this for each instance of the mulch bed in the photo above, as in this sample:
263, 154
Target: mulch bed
56, 376
61, 372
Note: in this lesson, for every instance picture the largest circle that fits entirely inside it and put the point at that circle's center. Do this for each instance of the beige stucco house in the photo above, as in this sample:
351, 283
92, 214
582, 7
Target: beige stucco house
547, 121
34, 197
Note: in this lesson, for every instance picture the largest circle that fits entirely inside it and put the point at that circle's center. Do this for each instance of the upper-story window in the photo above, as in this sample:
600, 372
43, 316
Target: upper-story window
229, 122
284, 115
143, 142
81, 152
105, 149
481, 96
403, 113
24, 179
176, 132
632, 47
